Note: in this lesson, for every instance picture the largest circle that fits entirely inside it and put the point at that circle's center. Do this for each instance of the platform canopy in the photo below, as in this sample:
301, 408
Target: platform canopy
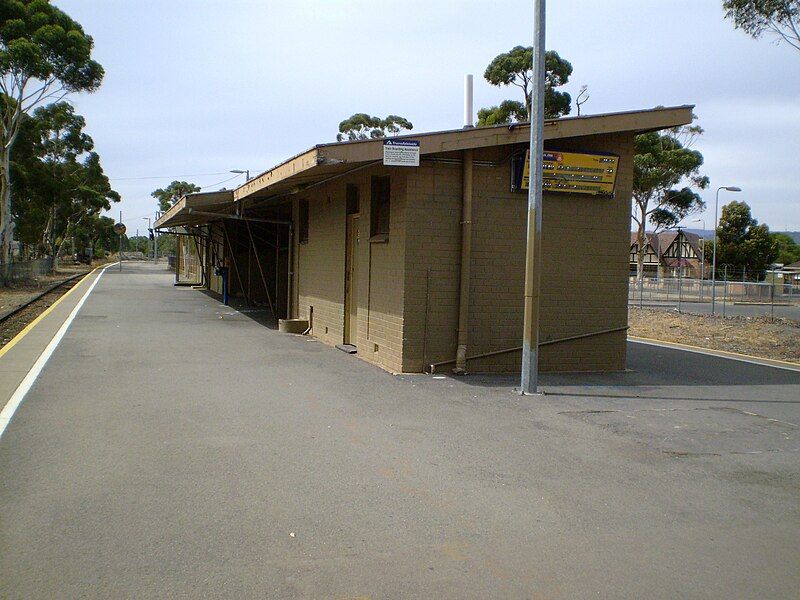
325, 162
329, 161
197, 209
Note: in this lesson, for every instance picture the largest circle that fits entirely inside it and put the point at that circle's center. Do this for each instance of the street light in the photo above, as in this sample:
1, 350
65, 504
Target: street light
246, 173
149, 231
727, 188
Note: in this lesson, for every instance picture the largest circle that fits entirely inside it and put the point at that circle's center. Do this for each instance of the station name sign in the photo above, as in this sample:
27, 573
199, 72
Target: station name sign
401, 153
572, 173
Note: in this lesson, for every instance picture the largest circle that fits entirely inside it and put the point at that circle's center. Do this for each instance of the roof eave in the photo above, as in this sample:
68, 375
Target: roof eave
363, 151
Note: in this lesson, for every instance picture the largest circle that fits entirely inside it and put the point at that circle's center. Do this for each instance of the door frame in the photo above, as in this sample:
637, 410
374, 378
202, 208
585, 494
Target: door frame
350, 329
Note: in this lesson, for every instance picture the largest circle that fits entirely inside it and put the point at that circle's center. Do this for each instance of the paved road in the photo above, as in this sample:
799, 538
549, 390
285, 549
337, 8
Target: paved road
175, 448
746, 310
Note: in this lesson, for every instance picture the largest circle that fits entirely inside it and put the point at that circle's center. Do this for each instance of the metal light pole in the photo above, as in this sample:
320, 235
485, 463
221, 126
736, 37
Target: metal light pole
533, 254
239, 172
727, 188
121, 231
149, 231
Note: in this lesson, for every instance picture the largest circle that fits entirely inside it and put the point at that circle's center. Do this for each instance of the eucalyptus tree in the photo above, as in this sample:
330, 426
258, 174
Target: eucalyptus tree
44, 55
58, 179
666, 173
742, 242
172, 193
781, 18
515, 67
362, 126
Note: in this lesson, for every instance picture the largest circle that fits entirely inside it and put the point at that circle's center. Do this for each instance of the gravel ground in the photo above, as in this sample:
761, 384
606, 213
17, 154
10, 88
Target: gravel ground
19, 293
756, 336
16, 295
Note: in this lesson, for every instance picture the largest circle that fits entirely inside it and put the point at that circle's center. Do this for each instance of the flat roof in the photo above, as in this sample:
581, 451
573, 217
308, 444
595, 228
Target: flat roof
182, 212
324, 161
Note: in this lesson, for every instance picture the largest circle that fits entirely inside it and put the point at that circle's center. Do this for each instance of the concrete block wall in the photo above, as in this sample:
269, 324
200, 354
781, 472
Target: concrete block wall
432, 263
320, 276
320, 265
585, 246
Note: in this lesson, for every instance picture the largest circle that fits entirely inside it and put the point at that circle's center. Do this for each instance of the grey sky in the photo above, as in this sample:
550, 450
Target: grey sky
202, 86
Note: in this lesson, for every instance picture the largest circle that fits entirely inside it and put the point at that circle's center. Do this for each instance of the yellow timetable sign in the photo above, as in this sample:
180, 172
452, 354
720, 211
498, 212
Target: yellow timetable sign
575, 173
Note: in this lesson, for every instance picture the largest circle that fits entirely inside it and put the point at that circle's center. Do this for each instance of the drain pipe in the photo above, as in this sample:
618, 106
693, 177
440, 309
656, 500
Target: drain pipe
466, 255
518, 348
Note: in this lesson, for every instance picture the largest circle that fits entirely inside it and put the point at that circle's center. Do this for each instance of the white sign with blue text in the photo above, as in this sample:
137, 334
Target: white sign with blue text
401, 153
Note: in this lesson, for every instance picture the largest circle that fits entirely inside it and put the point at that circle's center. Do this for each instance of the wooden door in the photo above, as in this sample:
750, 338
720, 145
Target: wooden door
350, 281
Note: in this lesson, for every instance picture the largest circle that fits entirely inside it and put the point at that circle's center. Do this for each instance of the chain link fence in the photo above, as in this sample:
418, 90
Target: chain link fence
723, 297
25, 270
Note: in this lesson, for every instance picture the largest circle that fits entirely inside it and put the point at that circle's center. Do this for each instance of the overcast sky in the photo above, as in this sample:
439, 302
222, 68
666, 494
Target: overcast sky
195, 88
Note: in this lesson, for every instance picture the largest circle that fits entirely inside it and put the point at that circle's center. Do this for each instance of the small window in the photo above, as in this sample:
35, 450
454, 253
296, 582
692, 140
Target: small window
303, 228
379, 207
352, 199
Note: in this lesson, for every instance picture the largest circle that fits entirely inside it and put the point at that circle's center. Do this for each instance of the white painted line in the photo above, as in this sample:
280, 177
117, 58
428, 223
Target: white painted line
19, 394
720, 354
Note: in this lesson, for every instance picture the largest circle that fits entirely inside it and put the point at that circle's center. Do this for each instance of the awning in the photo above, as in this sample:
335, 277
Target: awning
197, 209
328, 161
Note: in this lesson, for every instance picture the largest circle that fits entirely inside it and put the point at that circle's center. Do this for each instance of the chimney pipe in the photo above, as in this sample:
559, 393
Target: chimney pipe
467, 101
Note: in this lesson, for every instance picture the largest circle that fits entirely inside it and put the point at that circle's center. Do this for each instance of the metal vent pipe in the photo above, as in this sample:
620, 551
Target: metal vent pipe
467, 101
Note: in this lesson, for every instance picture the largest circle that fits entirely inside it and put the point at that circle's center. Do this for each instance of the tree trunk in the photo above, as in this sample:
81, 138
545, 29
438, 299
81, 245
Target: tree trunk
6, 225
57, 253
67, 234
641, 242
641, 245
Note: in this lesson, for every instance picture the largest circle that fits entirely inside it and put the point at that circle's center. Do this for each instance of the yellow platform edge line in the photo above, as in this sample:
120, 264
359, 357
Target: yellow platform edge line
47, 311
712, 351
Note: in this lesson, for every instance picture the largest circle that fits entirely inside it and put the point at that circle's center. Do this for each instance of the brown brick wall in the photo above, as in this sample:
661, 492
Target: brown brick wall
585, 245
320, 267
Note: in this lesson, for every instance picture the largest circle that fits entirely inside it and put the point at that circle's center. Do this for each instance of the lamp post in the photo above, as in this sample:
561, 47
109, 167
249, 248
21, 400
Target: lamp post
148, 227
246, 173
727, 188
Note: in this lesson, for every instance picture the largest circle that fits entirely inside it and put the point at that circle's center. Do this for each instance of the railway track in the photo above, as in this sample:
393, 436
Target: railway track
14, 320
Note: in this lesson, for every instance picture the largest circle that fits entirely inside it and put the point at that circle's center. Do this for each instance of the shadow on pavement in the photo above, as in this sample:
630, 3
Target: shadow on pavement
648, 367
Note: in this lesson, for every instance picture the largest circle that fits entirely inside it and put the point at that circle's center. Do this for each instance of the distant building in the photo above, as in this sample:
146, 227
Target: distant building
791, 273
670, 254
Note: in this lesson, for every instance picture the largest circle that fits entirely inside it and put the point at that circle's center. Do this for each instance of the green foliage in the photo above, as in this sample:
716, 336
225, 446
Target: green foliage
787, 250
58, 180
44, 55
662, 162
96, 232
742, 242
138, 243
754, 17
40, 42
362, 126
509, 111
172, 193
515, 67
167, 244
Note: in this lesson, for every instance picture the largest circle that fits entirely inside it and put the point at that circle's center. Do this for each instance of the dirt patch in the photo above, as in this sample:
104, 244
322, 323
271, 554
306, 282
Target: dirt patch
756, 336
21, 292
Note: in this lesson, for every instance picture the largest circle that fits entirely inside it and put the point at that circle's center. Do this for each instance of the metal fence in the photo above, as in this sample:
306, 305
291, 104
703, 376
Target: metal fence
725, 297
25, 270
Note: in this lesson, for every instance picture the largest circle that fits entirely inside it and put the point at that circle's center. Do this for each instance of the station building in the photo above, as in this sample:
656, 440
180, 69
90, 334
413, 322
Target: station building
405, 263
